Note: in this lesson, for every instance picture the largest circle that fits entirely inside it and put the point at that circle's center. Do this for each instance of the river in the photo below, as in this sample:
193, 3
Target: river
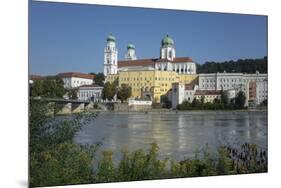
178, 135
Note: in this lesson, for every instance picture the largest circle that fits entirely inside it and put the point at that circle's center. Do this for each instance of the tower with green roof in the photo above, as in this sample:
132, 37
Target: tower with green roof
167, 50
110, 56
131, 52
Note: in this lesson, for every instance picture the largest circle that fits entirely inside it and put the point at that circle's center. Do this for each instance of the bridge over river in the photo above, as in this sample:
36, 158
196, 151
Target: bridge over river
59, 106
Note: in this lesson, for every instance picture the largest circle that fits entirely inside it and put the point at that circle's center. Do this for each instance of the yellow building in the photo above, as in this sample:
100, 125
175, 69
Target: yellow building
111, 78
150, 83
208, 95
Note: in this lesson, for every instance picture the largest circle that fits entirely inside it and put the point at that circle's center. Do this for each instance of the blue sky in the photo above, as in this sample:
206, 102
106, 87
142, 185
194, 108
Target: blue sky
71, 37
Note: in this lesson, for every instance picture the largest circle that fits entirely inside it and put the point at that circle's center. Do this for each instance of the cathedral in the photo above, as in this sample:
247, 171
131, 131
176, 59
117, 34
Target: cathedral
166, 62
148, 78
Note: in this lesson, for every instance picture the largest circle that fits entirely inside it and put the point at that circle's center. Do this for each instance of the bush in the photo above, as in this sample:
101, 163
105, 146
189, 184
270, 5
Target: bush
54, 159
66, 163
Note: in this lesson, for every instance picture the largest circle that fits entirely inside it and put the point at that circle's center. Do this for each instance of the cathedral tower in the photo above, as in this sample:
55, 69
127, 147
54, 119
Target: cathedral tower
167, 48
131, 52
110, 56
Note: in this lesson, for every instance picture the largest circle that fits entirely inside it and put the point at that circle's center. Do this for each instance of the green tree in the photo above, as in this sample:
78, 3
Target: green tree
72, 93
202, 99
224, 98
49, 87
166, 103
240, 99
99, 78
241, 65
195, 103
37, 88
124, 92
54, 159
109, 91
264, 102
216, 101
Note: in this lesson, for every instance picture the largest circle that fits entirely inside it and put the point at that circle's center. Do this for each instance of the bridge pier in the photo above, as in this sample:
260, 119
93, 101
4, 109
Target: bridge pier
89, 105
78, 107
62, 108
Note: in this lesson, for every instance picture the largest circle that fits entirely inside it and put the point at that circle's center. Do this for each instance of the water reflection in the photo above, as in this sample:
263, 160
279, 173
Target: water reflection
178, 135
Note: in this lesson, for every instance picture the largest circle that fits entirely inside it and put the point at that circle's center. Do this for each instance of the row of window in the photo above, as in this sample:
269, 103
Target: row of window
222, 85
148, 89
232, 80
111, 48
189, 93
147, 84
207, 98
222, 80
77, 82
88, 94
139, 89
207, 85
108, 62
147, 79
140, 84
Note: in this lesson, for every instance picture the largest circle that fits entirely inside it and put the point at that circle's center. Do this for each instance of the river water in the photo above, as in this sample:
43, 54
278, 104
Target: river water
178, 135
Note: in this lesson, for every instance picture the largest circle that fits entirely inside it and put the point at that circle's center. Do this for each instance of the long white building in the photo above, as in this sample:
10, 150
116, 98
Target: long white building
89, 93
253, 85
75, 79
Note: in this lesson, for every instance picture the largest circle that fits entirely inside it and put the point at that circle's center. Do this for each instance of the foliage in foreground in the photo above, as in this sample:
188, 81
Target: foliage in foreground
139, 165
56, 160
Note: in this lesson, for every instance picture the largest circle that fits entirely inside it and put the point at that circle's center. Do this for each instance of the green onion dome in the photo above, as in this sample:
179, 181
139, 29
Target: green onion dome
111, 38
131, 46
167, 41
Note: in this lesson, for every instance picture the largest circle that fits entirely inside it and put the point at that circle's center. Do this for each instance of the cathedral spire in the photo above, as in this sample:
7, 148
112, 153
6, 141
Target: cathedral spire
167, 48
131, 52
110, 56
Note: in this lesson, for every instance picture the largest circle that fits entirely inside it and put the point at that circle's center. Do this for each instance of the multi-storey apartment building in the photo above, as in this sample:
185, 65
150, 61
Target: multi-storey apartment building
253, 85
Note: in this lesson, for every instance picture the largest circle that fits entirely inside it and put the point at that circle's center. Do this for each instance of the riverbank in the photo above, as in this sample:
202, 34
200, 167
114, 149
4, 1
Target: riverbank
167, 111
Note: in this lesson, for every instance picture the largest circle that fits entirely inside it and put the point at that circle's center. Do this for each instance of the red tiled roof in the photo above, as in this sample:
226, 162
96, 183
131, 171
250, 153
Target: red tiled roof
207, 92
147, 62
182, 60
162, 60
36, 77
139, 62
76, 74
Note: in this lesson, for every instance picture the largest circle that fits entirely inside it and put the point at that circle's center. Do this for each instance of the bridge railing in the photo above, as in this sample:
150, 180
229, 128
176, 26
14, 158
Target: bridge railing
60, 100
